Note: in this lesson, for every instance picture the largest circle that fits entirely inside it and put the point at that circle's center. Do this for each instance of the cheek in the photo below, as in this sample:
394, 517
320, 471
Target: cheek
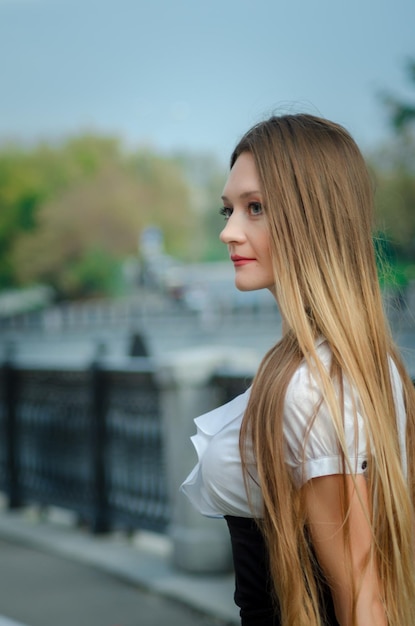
268, 258
265, 247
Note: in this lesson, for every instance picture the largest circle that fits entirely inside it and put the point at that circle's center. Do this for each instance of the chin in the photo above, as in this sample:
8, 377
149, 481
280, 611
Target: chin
247, 287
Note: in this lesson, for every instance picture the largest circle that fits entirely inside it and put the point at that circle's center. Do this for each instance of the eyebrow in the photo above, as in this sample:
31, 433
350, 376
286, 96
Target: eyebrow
244, 195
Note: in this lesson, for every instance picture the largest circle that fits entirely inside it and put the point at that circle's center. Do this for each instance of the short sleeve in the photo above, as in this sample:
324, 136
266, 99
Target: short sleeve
311, 443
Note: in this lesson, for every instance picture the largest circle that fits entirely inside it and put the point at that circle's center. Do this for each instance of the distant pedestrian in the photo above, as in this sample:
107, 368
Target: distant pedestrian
313, 467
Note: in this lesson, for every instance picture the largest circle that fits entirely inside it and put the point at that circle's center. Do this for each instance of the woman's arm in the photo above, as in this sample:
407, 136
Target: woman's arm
323, 499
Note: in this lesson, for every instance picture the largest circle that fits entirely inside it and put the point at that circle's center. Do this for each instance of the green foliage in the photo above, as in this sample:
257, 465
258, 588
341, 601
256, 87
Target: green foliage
30, 177
71, 213
206, 178
396, 211
95, 273
164, 200
394, 168
213, 223
394, 165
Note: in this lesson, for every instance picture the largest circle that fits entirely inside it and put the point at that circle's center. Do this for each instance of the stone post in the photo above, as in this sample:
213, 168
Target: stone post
200, 544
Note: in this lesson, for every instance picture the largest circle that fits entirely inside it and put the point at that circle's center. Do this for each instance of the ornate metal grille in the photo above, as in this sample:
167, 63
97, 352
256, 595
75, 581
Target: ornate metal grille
90, 441
53, 415
136, 480
86, 440
3, 429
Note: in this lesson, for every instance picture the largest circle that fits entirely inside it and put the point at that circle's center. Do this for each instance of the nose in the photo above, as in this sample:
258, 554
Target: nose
233, 231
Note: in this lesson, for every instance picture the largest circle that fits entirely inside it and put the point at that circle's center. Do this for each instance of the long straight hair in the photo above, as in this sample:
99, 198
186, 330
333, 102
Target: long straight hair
318, 201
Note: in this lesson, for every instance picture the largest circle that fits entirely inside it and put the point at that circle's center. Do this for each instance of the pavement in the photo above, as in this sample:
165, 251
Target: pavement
55, 573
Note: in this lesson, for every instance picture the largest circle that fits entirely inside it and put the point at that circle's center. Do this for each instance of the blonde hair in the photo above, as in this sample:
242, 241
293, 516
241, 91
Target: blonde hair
318, 201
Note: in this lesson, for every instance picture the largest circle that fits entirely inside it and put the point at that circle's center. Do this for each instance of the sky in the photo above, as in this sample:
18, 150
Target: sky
195, 75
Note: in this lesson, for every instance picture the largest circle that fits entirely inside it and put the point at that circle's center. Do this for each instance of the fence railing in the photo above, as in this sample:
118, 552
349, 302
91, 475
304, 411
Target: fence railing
86, 440
110, 442
99, 441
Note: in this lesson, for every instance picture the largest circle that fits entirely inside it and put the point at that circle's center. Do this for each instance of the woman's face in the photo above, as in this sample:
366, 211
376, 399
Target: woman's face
246, 232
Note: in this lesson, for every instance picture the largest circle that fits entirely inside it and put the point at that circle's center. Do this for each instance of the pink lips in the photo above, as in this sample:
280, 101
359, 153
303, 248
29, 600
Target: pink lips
240, 260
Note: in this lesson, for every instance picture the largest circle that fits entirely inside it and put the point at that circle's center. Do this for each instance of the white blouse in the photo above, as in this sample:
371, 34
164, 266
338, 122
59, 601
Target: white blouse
216, 485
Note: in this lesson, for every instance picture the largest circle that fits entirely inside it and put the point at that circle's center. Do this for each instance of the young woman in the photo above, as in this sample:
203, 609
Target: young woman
313, 467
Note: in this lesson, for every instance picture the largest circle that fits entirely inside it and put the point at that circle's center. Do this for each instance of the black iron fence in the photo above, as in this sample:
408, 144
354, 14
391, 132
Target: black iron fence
86, 440
89, 440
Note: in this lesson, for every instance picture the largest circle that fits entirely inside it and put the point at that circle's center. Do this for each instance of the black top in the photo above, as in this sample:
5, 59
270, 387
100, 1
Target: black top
252, 580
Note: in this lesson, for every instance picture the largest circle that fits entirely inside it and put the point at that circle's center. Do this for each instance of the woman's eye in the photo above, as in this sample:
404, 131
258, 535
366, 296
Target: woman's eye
226, 212
255, 208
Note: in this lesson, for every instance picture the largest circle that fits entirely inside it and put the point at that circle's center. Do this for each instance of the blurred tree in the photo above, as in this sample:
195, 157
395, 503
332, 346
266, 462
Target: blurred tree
206, 177
31, 176
164, 200
394, 167
401, 112
85, 232
72, 212
22, 188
